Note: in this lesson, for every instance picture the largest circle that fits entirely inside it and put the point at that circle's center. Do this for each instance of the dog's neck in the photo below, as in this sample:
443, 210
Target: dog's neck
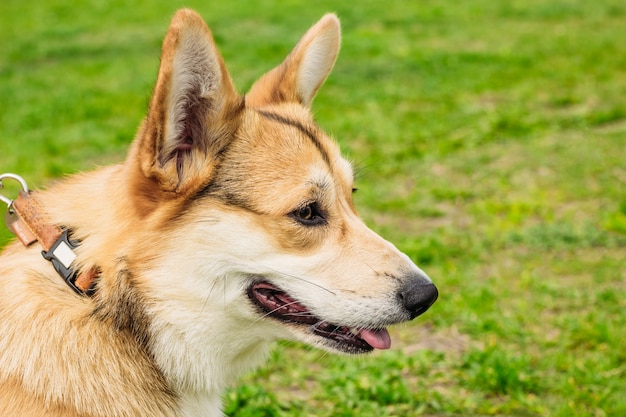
187, 360
194, 361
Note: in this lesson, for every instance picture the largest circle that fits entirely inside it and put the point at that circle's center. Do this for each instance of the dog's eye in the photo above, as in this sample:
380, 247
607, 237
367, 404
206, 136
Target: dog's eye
309, 215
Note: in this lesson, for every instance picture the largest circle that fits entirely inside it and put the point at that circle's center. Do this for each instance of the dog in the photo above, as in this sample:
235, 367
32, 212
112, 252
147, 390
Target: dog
230, 225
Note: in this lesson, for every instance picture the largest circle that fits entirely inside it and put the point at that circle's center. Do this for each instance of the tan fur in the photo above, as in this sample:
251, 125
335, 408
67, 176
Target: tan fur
202, 208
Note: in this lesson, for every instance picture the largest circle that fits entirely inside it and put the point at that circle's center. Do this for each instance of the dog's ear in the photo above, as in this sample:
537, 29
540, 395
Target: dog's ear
304, 70
193, 112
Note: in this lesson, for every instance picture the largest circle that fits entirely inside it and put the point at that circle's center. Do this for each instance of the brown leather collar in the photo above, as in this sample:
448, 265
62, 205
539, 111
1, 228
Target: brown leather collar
30, 224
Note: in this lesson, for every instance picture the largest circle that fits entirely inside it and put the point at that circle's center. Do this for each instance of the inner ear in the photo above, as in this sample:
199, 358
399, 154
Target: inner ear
190, 134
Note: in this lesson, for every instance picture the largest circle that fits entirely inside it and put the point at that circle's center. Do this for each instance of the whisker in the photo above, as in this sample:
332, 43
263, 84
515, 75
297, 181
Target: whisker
269, 313
221, 277
278, 308
206, 300
316, 325
300, 279
302, 314
285, 274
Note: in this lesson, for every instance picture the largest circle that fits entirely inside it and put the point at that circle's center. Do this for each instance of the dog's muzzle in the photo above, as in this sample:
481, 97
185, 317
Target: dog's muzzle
417, 294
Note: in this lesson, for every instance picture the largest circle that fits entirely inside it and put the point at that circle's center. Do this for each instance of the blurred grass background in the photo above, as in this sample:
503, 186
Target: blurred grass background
490, 141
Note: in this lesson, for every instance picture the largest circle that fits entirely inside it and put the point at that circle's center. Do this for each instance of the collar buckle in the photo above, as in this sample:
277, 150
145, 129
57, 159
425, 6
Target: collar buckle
62, 255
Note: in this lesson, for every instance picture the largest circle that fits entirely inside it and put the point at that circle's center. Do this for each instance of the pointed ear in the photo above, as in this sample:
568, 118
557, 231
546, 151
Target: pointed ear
304, 70
193, 112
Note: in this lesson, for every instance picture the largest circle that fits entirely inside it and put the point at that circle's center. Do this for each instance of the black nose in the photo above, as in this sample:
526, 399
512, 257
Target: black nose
417, 295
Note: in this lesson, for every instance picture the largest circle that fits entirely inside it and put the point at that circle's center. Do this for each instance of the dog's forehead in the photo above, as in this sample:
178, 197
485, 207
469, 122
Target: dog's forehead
282, 158
287, 134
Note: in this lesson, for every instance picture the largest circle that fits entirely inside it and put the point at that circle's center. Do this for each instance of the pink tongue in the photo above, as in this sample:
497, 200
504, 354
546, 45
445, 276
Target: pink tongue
378, 339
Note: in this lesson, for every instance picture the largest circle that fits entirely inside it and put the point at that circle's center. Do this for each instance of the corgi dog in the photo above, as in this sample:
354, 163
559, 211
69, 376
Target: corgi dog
230, 225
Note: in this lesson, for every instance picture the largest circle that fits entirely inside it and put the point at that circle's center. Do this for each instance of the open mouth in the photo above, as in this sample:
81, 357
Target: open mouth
279, 305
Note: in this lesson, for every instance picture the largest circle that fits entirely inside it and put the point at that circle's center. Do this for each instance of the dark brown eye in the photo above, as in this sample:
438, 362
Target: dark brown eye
305, 213
309, 215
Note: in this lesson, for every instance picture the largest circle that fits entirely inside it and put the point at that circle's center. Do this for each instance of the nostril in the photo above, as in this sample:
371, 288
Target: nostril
417, 295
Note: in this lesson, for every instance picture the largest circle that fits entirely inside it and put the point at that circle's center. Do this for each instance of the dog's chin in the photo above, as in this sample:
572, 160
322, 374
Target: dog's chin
279, 305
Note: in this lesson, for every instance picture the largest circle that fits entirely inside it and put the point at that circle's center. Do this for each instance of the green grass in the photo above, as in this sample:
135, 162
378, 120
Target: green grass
490, 141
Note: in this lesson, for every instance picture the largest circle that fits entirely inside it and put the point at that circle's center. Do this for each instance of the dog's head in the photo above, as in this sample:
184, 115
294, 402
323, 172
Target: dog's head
262, 234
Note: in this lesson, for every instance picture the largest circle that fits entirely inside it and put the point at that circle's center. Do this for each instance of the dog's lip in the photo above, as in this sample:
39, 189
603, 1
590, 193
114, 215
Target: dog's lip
278, 304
